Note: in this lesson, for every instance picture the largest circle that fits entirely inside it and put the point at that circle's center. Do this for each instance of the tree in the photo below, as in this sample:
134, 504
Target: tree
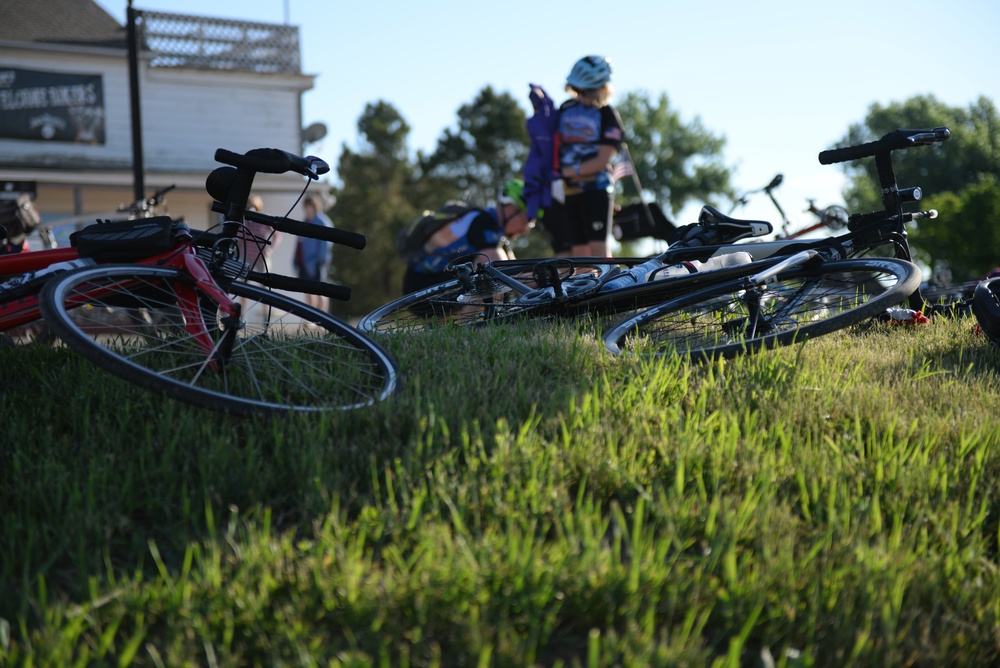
377, 198
976, 209
487, 147
675, 162
974, 148
955, 176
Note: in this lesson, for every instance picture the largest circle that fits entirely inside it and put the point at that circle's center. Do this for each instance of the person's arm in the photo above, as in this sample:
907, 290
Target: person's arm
485, 235
590, 168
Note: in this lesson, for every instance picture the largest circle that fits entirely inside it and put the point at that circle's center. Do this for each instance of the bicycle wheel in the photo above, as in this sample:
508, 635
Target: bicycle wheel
480, 299
143, 324
730, 318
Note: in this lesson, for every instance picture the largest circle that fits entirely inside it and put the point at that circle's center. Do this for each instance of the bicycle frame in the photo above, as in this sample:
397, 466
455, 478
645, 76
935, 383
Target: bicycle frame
230, 186
18, 309
24, 309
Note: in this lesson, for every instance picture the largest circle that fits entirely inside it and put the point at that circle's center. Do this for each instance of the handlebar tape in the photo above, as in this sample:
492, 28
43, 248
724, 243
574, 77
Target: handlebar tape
339, 292
273, 161
891, 141
299, 228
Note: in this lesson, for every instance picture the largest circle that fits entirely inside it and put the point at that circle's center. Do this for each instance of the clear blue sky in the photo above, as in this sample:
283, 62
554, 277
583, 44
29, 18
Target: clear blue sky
780, 80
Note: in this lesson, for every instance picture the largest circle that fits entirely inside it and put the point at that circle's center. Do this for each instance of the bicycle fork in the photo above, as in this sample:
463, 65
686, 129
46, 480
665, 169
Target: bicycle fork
756, 323
218, 352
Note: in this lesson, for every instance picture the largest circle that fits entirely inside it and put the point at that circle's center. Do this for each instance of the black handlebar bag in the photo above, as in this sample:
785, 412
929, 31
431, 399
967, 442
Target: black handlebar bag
639, 221
126, 239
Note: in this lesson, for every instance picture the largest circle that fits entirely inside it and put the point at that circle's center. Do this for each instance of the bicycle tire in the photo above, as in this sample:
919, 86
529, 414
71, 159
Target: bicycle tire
799, 304
452, 302
285, 356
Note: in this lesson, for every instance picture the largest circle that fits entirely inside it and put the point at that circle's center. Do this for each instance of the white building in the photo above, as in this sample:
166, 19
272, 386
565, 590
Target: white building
204, 83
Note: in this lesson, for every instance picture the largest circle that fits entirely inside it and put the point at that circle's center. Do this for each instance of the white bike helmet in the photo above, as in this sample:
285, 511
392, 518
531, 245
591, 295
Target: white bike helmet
590, 72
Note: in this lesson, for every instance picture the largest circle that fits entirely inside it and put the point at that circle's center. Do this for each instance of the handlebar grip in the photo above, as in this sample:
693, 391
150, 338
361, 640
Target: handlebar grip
298, 228
266, 160
339, 292
902, 138
849, 153
273, 161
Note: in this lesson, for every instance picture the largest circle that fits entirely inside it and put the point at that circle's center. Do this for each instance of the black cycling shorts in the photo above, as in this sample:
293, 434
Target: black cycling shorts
557, 228
588, 216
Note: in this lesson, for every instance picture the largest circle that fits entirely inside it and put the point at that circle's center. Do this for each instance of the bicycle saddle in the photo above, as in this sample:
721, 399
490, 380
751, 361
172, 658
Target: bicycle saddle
732, 229
714, 227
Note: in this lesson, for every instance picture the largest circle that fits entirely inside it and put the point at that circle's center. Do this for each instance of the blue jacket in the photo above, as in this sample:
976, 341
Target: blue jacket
314, 252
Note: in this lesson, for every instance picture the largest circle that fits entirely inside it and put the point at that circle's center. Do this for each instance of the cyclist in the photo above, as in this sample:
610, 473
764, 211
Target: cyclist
477, 231
590, 133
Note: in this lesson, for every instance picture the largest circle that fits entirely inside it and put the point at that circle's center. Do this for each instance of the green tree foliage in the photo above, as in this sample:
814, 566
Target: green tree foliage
975, 208
376, 199
486, 148
675, 162
953, 175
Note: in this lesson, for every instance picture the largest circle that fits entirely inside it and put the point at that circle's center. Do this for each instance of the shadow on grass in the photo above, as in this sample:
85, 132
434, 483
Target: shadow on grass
95, 468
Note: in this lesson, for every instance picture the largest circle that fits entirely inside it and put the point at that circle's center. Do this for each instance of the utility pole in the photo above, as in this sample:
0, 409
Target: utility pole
138, 173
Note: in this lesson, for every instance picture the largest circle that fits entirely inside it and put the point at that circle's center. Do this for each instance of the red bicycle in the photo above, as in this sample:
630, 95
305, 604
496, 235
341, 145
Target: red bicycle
172, 309
833, 218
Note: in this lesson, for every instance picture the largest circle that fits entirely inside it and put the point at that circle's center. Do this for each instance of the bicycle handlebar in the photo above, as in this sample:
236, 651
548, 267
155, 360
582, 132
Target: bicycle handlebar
146, 203
157, 196
273, 161
339, 292
301, 229
204, 239
891, 141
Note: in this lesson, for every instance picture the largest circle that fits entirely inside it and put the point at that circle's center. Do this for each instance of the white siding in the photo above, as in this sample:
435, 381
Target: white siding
189, 114
186, 114
116, 152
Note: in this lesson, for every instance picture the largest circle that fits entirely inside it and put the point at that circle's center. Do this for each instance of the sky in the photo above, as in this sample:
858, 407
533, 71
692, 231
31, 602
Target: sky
779, 80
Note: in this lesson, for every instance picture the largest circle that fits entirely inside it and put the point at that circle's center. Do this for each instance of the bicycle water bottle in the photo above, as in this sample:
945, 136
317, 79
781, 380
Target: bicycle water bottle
723, 261
639, 273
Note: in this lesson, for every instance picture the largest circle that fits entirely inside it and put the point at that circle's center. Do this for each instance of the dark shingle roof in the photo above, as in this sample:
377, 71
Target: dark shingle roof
75, 22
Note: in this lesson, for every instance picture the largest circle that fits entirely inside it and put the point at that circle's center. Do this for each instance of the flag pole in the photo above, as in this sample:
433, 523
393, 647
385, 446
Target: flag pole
638, 187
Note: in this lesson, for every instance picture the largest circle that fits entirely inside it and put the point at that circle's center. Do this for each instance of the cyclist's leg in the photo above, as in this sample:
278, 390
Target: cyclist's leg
557, 229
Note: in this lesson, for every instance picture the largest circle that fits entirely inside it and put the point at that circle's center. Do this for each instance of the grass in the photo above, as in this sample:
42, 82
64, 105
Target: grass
527, 500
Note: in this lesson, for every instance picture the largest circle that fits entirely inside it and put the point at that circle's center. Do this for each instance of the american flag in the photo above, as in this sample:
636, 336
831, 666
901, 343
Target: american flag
622, 169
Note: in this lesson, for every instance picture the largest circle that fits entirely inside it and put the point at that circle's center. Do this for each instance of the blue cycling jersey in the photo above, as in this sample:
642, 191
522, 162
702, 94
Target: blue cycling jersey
582, 131
475, 231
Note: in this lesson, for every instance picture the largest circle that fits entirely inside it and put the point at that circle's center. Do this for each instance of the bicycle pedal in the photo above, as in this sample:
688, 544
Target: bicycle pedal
546, 274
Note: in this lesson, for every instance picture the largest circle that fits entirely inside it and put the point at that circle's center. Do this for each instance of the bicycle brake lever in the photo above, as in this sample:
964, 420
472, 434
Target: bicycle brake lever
922, 138
925, 138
